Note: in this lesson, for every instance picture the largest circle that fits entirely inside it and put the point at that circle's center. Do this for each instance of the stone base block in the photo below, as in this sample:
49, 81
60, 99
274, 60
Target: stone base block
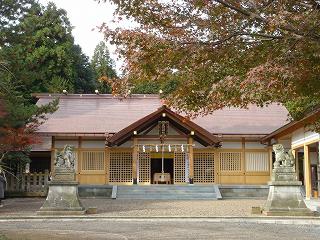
60, 213
285, 199
64, 175
289, 213
92, 210
62, 199
287, 174
256, 210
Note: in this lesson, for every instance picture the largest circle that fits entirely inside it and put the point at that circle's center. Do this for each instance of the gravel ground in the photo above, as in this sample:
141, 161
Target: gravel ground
162, 229
145, 208
174, 208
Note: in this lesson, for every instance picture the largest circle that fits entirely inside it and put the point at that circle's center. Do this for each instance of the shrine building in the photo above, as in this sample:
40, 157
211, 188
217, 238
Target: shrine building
136, 140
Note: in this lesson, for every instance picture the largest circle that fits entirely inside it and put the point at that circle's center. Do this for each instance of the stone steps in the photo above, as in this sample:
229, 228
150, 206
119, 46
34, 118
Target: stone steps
173, 192
244, 191
99, 191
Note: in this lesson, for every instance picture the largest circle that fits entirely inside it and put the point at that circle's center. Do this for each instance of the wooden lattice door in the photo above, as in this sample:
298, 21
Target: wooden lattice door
120, 167
203, 167
92, 167
144, 164
179, 167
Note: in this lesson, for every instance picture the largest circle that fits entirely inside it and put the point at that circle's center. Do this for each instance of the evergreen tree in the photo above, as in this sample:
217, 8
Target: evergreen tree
84, 75
19, 121
103, 67
12, 12
41, 52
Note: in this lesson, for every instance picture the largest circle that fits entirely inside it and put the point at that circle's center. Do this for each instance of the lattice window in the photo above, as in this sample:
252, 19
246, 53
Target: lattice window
144, 167
257, 162
179, 167
203, 164
91, 161
230, 162
120, 167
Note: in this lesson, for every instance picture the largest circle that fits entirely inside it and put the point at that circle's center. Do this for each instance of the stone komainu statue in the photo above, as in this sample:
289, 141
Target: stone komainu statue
65, 158
283, 159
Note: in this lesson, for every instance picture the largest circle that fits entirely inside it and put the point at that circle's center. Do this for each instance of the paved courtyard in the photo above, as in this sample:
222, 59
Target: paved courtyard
144, 208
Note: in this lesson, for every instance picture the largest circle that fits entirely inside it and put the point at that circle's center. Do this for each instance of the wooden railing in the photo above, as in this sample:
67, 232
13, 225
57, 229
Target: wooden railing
28, 184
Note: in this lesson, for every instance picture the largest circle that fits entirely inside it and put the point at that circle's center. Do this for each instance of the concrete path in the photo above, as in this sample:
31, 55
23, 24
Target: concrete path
152, 229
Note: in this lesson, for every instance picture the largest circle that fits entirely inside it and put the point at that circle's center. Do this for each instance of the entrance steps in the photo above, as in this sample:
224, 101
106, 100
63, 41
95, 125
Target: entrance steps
169, 192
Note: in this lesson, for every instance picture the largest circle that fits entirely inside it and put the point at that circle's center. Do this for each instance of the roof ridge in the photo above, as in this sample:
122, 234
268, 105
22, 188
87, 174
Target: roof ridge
79, 95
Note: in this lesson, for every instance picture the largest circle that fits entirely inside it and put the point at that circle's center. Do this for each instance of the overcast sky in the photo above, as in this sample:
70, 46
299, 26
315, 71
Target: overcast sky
84, 16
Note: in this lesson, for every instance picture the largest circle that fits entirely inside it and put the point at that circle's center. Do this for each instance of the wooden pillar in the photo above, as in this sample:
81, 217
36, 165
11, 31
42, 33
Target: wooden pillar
135, 161
107, 159
296, 161
318, 170
307, 171
78, 163
53, 152
243, 159
191, 165
80, 142
216, 166
270, 161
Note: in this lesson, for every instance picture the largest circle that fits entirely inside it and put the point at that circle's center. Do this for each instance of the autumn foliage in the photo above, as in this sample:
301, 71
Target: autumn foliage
16, 139
222, 52
19, 121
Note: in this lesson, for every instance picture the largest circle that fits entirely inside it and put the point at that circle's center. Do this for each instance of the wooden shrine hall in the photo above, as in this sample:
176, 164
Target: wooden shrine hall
138, 140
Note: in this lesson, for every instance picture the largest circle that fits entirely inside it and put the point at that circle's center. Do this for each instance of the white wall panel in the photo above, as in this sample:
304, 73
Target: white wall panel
286, 144
198, 145
311, 136
254, 145
62, 143
302, 136
127, 144
257, 162
231, 145
298, 137
93, 144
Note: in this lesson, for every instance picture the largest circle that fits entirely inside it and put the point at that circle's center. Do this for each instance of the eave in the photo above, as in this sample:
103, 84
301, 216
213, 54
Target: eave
292, 126
164, 113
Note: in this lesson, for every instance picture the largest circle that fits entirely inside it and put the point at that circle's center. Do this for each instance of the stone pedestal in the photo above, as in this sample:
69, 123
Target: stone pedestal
285, 198
63, 198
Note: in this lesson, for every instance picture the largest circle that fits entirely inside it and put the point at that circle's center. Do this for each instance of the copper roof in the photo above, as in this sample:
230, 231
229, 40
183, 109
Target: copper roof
93, 114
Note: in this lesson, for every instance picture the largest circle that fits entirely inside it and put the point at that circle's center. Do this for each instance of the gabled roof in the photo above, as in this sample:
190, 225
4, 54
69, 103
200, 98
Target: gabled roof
180, 122
90, 114
292, 126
